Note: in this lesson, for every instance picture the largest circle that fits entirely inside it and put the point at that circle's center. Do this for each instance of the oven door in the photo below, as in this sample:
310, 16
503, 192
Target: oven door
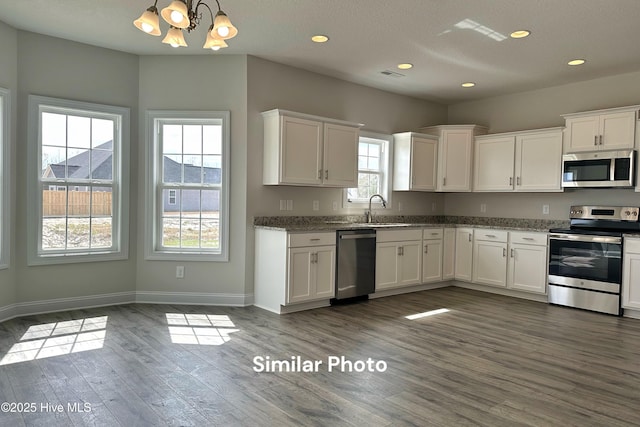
586, 261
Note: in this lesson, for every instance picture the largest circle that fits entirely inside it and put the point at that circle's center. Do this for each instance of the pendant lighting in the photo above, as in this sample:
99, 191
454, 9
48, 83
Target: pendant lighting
184, 15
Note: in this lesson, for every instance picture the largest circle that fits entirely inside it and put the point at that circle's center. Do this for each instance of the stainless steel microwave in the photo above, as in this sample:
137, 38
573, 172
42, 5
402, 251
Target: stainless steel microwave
598, 169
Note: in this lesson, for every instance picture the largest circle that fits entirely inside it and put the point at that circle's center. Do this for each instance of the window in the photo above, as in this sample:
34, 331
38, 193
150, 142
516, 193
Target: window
188, 186
78, 181
373, 169
5, 235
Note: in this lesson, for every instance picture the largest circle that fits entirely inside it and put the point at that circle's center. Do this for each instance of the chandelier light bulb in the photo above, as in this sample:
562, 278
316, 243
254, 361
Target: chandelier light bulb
176, 16
216, 48
223, 31
147, 28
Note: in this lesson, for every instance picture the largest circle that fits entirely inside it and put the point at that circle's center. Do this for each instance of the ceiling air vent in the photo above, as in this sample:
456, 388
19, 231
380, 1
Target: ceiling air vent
391, 73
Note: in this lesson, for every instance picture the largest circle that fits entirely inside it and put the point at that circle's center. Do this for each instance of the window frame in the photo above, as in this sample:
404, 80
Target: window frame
5, 178
153, 197
386, 159
119, 249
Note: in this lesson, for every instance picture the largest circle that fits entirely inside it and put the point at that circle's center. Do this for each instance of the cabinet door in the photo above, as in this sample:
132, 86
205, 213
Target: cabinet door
464, 254
325, 274
618, 130
424, 157
387, 265
494, 159
490, 263
456, 146
528, 268
539, 161
409, 263
300, 280
340, 155
449, 254
301, 151
631, 281
582, 133
431, 261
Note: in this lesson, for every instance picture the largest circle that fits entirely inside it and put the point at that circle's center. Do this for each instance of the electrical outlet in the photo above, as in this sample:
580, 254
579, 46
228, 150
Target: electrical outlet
283, 205
483, 207
289, 205
545, 209
180, 272
334, 205
316, 205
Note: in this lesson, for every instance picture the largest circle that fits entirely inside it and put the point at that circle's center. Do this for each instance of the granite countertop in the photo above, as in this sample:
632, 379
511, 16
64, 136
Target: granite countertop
317, 223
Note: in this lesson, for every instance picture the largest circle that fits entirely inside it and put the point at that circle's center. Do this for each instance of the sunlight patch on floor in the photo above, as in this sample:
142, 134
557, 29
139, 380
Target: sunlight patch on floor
57, 339
200, 329
427, 314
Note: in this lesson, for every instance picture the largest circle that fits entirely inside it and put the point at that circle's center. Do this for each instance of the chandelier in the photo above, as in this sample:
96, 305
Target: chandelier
182, 15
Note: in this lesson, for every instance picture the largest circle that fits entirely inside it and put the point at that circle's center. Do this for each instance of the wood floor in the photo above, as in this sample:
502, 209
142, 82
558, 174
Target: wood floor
490, 361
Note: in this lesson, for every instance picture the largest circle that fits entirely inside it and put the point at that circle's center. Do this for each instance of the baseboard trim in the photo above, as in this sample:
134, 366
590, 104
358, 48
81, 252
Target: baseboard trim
631, 313
501, 291
64, 304
409, 289
193, 298
78, 303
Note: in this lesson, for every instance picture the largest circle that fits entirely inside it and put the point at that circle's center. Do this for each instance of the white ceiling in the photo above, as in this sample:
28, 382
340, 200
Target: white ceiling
370, 36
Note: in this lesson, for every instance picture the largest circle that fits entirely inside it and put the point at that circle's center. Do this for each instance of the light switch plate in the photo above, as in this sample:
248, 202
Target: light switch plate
316, 205
545, 209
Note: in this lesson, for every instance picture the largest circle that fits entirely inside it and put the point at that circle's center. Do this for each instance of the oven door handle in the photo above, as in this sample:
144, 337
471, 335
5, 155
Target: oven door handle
585, 238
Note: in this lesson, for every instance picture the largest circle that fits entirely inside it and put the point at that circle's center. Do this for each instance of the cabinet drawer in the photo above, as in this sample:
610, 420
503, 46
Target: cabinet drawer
297, 240
432, 233
528, 238
491, 235
632, 245
398, 235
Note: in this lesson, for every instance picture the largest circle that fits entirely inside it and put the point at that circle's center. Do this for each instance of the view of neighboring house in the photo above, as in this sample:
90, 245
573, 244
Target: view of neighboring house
97, 164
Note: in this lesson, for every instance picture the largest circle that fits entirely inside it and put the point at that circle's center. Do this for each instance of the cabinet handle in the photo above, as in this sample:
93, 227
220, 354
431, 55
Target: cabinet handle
504, 252
528, 238
399, 250
326, 174
491, 236
510, 180
444, 181
319, 173
314, 240
511, 252
595, 140
426, 249
518, 181
469, 236
600, 139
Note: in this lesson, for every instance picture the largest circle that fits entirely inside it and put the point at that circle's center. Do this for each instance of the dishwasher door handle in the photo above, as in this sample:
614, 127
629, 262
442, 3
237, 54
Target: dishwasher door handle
357, 236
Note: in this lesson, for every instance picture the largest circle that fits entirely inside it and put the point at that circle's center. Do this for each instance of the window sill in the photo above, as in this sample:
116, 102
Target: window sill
54, 259
186, 256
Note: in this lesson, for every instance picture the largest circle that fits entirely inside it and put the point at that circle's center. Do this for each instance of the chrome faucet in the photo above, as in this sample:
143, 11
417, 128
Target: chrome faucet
369, 213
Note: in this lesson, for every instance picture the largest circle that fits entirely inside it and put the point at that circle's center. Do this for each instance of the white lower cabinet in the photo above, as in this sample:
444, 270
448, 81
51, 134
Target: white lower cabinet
527, 262
294, 269
311, 273
448, 253
490, 257
464, 254
631, 274
432, 246
398, 258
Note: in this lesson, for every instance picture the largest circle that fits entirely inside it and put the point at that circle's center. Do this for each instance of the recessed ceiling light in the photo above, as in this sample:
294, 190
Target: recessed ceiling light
576, 62
405, 66
320, 38
468, 84
520, 34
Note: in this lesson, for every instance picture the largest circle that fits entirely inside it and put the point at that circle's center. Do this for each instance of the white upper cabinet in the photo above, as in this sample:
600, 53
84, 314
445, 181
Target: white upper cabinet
300, 149
455, 155
519, 161
611, 129
415, 161
494, 163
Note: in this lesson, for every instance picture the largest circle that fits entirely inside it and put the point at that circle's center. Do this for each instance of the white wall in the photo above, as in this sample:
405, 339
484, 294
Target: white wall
209, 82
9, 80
58, 68
539, 109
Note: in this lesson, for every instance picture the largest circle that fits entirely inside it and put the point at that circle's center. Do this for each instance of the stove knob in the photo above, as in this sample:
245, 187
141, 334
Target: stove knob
635, 213
627, 213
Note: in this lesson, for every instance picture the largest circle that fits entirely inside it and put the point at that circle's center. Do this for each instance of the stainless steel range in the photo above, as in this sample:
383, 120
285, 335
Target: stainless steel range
585, 261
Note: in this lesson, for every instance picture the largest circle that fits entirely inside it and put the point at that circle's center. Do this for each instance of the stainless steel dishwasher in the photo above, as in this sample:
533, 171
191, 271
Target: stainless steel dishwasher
356, 264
